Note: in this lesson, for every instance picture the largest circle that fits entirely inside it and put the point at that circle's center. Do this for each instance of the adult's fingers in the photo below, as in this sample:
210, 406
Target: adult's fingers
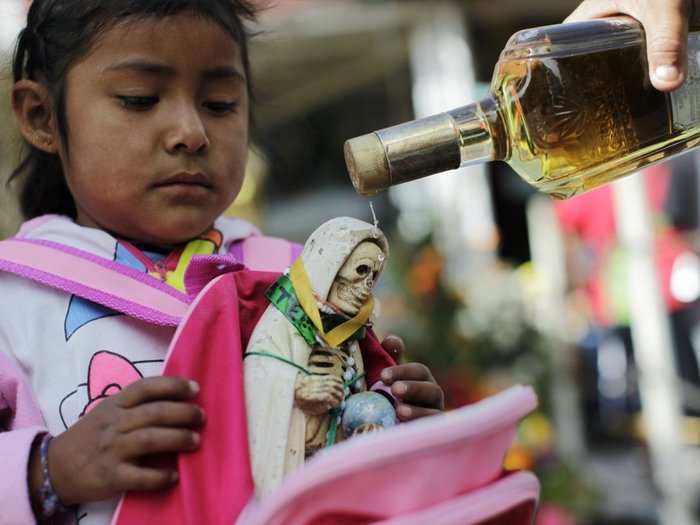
590, 9
666, 25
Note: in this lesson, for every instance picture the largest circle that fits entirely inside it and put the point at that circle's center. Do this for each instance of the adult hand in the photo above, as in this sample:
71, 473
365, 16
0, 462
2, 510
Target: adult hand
666, 25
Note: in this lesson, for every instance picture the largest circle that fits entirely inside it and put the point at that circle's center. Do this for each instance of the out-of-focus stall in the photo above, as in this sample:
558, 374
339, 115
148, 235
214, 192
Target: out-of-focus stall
481, 284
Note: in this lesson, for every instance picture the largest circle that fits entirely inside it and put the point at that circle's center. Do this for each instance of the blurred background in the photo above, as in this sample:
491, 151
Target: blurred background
488, 283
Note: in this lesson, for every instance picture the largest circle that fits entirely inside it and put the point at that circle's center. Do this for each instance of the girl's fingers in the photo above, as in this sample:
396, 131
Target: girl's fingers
133, 477
155, 440
419, 393
156, 389
162, 414
394, 346
408, 372
409, 412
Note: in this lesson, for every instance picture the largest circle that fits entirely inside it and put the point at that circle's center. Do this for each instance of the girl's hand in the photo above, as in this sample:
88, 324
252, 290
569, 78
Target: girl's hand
393, 345
666, 25
99, 457
412, 384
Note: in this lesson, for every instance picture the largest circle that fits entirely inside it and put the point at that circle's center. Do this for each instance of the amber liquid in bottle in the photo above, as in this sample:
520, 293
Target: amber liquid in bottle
575, 123
571, 107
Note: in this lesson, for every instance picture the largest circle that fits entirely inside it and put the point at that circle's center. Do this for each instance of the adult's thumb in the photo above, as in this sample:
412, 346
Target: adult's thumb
666, 26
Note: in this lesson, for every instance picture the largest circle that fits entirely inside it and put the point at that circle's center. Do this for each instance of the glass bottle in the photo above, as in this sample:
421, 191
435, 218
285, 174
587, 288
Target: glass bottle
570, 108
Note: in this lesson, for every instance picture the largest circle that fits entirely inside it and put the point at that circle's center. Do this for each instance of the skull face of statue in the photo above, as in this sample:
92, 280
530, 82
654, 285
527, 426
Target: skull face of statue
353, 284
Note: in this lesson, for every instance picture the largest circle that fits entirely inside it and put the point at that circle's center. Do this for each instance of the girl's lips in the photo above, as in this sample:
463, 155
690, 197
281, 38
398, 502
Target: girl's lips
187, 187
187, 179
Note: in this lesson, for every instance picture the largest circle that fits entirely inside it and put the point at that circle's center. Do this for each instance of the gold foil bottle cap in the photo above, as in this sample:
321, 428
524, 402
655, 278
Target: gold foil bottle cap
367, 164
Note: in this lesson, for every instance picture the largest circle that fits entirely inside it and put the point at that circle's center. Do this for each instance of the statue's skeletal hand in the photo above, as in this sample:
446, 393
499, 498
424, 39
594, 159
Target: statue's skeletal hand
317, 394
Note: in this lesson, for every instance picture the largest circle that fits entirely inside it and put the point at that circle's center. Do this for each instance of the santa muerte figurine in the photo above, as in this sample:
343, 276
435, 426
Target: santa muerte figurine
305, 376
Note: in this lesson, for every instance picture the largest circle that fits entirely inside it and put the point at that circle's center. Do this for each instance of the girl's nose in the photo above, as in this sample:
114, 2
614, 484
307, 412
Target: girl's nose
187, 133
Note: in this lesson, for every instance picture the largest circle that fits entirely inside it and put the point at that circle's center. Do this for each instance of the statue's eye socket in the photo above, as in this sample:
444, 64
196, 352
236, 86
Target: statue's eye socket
363, 269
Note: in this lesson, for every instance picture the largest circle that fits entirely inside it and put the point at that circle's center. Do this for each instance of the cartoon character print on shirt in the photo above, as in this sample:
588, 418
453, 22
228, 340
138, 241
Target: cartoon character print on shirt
169, 269
108, 373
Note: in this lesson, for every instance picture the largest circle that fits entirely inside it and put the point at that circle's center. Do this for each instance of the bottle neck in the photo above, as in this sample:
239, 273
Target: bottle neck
416, 149
482, 135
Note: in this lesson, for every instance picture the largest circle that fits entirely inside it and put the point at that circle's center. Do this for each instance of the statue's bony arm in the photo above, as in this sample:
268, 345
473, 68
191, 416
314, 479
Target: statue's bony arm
317, 394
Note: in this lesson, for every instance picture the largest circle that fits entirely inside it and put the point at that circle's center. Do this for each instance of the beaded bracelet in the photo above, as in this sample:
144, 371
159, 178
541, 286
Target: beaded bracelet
50, 503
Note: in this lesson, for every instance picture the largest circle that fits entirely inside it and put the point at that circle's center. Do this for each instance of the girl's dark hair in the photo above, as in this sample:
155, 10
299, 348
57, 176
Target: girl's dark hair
58, 33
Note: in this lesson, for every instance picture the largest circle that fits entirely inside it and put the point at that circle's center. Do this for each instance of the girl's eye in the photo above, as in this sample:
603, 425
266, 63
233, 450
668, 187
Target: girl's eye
138, 103
221, 107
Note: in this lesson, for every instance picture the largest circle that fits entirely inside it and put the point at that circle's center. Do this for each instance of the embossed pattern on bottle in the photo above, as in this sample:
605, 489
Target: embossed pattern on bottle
571, 120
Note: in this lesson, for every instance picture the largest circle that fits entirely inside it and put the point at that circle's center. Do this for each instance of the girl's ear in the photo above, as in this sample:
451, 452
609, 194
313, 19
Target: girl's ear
35, 116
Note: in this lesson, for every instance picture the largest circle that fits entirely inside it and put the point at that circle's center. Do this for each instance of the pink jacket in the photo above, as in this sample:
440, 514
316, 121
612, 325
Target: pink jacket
16, 396
26, 424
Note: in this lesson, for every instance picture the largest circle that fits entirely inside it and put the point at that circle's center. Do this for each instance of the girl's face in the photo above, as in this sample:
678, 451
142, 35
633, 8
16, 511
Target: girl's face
157, 118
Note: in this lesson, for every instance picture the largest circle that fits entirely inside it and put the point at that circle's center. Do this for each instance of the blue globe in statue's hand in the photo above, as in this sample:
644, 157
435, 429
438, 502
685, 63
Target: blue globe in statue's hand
367, 412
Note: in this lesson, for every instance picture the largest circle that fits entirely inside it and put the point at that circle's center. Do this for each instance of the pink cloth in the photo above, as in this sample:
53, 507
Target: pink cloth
216, 480
26, 424
510, 500
442, 470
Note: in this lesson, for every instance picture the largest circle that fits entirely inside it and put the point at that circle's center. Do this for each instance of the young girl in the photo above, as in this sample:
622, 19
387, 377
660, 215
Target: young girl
135, 113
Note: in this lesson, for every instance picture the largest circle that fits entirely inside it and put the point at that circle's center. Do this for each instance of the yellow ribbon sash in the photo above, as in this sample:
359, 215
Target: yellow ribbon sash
305, 296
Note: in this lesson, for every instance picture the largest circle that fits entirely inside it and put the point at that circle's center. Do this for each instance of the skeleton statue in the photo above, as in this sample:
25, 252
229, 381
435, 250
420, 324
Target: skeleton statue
333, 369
303, 363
